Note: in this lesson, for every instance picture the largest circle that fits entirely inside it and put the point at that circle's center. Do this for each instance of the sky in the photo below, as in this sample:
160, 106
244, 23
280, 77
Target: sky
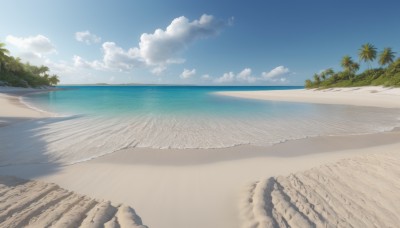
219, 42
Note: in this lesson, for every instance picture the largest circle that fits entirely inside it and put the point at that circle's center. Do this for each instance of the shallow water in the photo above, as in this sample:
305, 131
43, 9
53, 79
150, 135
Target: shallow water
103, 119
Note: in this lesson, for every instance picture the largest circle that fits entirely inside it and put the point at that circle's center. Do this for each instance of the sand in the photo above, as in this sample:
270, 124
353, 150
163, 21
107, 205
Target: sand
13, 111
26, 203
370, 96
18, 110
357, 192
232, 187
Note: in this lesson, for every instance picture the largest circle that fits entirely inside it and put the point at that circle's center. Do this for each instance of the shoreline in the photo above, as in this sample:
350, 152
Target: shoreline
15, 110
171, 188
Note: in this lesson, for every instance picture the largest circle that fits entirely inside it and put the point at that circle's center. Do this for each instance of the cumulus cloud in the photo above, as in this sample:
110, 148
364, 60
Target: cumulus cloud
187, 73
36, 50
38, 44
276, 72
158, 70
245, 76
159, 49
87, 37
277, 75
117, 58
226, 78
163, 45
79, 62
114, 58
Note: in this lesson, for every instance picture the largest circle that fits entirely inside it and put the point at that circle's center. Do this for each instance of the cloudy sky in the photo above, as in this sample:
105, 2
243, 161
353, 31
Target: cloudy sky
208, 42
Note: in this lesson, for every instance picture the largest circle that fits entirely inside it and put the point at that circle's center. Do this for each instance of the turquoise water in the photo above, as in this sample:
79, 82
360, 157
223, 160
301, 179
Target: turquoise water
95, 120
160, 100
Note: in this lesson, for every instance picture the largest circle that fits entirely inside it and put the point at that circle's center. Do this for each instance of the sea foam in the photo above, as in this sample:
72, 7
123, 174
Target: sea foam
74, 139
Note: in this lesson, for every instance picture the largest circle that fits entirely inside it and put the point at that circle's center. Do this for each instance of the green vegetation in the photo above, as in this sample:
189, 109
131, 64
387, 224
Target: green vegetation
15, 73
388, 74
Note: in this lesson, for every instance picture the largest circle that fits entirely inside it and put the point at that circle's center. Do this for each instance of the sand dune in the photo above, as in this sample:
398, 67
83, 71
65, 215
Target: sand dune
37, 204
359, 192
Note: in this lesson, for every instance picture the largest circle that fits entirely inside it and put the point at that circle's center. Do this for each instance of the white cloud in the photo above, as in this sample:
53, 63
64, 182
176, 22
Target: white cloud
245, 75
162, 46
156, 50
114, 58
38, 44
87, 37
276, 75
227, 77
79, 62
187, 73
35, 49
276, 72
158, 70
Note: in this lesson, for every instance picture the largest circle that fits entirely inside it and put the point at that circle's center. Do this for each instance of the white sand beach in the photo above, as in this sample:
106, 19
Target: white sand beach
370, 96
330, 180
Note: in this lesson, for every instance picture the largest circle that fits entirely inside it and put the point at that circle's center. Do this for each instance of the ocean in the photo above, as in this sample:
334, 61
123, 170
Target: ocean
95, 120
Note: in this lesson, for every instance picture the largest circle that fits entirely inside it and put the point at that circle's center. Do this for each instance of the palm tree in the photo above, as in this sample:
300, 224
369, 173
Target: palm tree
15, 65
3, 54
354, 67
386, 56
367, 53
329, 72
54, 80
347, 62
317, 79
308, 83
42, 69
322, 75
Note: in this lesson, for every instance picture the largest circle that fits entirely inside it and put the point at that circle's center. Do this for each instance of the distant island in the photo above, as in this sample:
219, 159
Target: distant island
388, 74
15, 73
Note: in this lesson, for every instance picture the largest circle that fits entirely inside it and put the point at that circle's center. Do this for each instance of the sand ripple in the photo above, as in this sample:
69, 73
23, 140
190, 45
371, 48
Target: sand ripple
359, 192
36, 204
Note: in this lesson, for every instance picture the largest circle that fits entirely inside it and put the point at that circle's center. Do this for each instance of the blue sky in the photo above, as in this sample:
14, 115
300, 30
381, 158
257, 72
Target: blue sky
257, 42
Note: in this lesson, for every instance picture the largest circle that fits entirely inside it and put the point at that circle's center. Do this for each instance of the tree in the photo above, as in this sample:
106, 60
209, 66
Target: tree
347, 62
15, 65
349, 66
367, 53
329, 72
53, 80
322, 75
354, 67
386, 57
3, 55
317, 79
15, 73
308, 83
42, 69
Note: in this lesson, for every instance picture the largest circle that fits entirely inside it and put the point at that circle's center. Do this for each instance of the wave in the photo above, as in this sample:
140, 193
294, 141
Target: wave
73, 139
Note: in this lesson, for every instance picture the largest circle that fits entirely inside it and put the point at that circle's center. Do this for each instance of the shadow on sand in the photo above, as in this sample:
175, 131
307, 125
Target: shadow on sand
23, 150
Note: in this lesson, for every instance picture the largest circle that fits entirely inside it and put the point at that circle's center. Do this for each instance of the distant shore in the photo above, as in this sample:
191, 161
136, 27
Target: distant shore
208, 187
